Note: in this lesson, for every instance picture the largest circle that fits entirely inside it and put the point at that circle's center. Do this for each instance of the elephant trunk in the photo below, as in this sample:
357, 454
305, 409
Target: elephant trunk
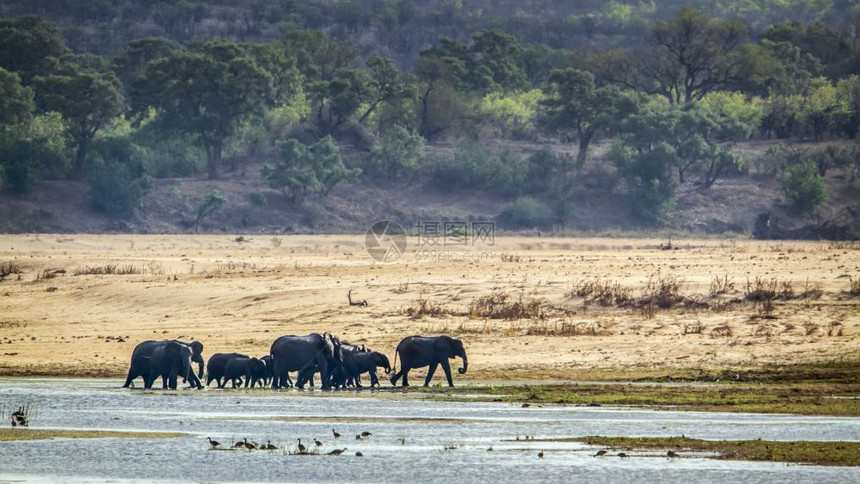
465, 366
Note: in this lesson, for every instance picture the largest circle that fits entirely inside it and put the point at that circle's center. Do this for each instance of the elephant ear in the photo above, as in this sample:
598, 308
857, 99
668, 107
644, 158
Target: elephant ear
444, 345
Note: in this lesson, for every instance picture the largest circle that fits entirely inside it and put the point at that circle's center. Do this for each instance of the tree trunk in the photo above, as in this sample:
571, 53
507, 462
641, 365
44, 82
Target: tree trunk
213, 159
80, 158
585, 138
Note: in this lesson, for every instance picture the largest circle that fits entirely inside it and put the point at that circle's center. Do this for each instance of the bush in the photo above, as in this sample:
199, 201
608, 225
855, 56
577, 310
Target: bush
118, 181
116, 188
804, 187
524, 212
474, 167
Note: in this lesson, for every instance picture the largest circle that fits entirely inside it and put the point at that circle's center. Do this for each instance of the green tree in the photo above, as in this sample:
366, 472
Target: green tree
118, 183
685, 58
384, 84
16, 101
206, 93
85, 94
301, 172
29, 45
33, 150
574, 104
398, 151
804, 187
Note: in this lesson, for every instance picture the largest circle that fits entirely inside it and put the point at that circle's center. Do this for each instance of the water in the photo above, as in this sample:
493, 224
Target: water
409, 441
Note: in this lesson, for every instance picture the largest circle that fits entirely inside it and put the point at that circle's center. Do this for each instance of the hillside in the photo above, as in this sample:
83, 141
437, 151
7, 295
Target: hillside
729, 207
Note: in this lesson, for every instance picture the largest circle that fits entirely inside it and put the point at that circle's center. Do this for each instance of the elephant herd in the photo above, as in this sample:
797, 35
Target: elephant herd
339, 363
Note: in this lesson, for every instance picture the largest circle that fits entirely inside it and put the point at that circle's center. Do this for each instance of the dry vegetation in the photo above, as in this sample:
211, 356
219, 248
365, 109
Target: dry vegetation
538, 308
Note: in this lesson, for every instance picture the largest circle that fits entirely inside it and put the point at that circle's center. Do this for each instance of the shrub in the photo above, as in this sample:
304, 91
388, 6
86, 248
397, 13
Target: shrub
804, 187
524, 212
118, 182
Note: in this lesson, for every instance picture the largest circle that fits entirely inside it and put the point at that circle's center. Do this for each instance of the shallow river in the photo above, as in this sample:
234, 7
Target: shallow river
413, 440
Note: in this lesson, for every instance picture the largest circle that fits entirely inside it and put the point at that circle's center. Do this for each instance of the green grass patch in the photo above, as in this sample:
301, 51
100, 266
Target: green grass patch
803, 452
13, 434
803, 398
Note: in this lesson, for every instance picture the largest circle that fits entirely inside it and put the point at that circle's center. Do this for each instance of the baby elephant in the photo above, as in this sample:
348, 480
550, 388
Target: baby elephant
252, 369
356, 363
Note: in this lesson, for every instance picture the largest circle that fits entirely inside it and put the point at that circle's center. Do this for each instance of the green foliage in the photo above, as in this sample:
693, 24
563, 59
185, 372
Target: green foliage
804, 187
117, 181
574, 104
743, 112
32, 151
524, 212
206, 93
85, 94
16, 101
472, 166
511, 115
397, 152
301, 172
29, 46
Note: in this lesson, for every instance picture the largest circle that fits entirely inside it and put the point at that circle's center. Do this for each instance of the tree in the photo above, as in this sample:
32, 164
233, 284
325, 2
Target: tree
685, 58
301, 172
207, 93
397, 151
16, 101
29, 46
117, 179
384, 84
804, 187
573, 103
87, 96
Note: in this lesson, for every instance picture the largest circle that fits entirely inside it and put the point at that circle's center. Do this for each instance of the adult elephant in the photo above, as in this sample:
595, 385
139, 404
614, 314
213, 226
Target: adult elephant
251, 369
432, 351
169, 361
299, 353
217, 366
141, 359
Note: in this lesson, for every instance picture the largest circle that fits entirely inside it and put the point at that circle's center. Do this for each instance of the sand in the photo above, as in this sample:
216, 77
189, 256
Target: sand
240, 295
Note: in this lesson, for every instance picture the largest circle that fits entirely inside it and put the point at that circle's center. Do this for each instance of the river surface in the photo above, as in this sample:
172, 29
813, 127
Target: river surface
413, 440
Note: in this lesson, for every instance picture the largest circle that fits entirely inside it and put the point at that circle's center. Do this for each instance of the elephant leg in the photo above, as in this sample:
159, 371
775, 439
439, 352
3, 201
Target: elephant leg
374, 379
446, 367
396, 377
405, 377
430, 374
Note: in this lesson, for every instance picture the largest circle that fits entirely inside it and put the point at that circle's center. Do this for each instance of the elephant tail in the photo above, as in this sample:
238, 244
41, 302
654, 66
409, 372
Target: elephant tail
394, 366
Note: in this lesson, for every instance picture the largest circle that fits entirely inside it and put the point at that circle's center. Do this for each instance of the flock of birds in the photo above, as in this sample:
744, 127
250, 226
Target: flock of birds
301, 449
602, 453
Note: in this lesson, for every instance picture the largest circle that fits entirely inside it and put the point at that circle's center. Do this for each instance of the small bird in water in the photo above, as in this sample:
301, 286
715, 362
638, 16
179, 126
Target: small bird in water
337, 451
250, 445
214, 443
359, 454
334, 432
540, 455
358, 437
239, 444
365, 434
671, 454
318, 443
600, 453
623, 455
301, 447
269, 446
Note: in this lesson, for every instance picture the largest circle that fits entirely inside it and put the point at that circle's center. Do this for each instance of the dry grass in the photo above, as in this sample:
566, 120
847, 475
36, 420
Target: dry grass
8, 268
108, 269
602, 292
240, 297
500, 305
854, 286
